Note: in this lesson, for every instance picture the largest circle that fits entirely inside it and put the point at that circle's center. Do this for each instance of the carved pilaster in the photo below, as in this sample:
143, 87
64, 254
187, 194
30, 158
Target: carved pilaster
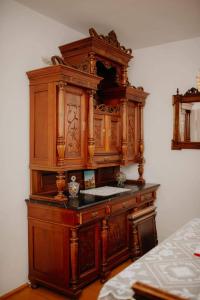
141, 159
61, 124
91, 142
104, 238
124, 75
74, 257
92, 60
135, 253
124, 132
60, 183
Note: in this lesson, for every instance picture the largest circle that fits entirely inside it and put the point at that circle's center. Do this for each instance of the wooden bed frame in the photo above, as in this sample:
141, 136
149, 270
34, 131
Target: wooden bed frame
146, 292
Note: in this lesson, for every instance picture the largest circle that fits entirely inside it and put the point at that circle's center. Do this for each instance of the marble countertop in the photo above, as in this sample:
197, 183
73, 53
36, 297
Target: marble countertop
86, 200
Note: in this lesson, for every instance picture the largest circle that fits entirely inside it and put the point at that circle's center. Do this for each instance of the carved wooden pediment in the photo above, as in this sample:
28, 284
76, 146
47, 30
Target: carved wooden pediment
111, 39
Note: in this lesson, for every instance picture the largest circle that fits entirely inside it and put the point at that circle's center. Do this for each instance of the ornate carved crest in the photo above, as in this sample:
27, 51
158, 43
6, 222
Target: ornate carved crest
192, 92
111, 38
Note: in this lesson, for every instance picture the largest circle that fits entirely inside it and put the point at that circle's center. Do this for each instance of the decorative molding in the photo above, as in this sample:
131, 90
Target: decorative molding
107, 109
15, 291
111, 39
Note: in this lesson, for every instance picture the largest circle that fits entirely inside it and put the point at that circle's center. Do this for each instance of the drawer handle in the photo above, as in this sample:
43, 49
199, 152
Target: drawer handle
95, 214
124, 204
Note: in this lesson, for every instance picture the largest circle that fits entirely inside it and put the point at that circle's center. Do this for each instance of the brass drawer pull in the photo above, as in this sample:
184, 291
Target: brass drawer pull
95, 214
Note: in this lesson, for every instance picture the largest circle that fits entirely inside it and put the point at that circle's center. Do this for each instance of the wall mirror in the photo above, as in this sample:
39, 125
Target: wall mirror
186, 134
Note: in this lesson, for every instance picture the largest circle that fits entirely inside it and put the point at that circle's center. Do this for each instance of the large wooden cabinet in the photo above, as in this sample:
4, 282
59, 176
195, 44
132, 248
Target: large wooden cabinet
84, 114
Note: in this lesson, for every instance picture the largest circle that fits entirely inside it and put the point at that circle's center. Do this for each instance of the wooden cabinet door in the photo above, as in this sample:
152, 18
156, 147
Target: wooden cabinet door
147, 234
143, 233
114, 135
89, 252
99, 133
48, 253
118, 238
75, 127
107, 133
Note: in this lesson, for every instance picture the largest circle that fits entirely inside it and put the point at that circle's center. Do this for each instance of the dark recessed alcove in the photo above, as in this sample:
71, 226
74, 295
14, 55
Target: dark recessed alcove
109, 80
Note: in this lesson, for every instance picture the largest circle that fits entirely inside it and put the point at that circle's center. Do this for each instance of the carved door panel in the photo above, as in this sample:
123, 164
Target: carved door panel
89, 250
132, 131
99, 133
118, 237
75, 127
115, 134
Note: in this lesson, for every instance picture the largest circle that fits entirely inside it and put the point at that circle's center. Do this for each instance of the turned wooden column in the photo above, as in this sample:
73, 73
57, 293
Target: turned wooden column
141, 147
124, 131
91, 142
60, 182
104, 238
135, 253
61, 124
187, 125
74, 257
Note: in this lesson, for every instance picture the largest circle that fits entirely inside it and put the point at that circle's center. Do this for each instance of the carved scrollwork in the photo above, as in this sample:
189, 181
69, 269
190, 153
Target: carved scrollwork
73, 145
57, 60
107, 109
111, 39
192, 92
84, 66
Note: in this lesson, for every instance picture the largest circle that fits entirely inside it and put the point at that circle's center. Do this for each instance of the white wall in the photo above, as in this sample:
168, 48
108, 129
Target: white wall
161, 70
25, 37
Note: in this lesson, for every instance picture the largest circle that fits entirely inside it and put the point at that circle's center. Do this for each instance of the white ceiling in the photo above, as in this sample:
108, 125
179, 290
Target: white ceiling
138, 23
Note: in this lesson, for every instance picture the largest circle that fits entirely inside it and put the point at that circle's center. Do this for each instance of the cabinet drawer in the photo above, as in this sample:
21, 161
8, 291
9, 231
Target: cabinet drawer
104, 159
147, 197
91, 215
124, 204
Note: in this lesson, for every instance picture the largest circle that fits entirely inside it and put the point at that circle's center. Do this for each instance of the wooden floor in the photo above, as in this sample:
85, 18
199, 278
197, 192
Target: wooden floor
89, 293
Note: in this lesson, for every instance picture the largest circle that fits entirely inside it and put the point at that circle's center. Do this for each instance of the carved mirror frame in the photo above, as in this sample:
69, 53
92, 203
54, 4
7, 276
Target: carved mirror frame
191, 96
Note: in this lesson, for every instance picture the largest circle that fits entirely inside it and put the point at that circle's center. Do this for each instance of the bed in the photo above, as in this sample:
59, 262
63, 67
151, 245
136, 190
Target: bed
171, 269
